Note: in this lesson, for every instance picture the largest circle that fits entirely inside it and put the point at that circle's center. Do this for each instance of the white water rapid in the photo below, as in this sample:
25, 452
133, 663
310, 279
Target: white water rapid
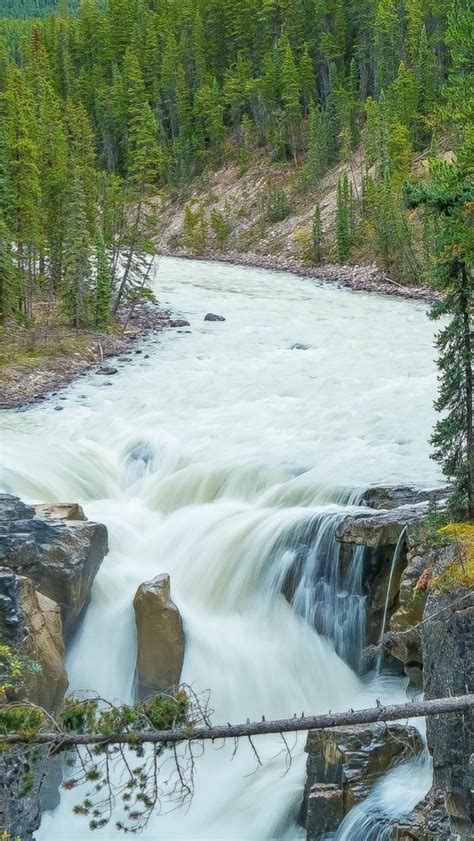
226, 459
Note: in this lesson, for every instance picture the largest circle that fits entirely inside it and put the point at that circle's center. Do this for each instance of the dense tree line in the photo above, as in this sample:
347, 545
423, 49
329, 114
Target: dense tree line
103, 107
32, 8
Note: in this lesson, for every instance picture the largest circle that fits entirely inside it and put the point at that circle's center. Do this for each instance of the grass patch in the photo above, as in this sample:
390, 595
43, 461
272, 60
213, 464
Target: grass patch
461, 572
31, 351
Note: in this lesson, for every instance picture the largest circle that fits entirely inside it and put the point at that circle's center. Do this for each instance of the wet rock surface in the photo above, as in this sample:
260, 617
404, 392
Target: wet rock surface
61, 556
20, 814
61, 511
448, 669
344, 764
393, 496
378, 528
31, 623
160, 637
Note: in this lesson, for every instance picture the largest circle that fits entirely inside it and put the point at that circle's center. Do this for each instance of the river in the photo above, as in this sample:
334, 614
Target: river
246, 441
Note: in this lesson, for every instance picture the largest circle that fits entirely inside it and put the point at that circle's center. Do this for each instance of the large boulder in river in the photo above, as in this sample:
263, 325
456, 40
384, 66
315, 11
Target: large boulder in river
160, 637
344, 764
61, 556
31, 624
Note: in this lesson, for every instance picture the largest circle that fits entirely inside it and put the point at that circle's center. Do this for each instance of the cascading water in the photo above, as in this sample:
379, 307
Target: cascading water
227, 459
304, 564
395, 559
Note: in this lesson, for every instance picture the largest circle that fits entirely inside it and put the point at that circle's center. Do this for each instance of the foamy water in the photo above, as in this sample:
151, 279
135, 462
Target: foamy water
203, 460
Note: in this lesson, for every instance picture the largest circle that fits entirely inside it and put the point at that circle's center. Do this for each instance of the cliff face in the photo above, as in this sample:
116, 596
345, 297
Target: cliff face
429, 632
49, 558
448, 668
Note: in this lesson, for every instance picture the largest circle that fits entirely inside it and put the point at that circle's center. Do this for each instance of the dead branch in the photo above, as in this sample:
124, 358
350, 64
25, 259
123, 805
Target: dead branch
392, 712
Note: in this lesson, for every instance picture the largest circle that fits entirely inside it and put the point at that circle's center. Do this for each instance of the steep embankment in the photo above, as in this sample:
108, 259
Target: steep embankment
235, 212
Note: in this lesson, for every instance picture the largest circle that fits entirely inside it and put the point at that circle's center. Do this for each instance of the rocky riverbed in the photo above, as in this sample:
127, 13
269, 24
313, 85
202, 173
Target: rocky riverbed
56, 361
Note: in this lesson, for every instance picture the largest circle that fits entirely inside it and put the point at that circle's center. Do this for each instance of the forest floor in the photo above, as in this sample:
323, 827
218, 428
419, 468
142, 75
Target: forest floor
36, 362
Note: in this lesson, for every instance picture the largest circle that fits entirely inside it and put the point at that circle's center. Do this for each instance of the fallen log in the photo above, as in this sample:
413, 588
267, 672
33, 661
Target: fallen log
392, 712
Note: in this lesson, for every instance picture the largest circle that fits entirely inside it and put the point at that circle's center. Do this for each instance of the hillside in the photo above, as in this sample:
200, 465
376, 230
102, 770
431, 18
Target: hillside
236, 224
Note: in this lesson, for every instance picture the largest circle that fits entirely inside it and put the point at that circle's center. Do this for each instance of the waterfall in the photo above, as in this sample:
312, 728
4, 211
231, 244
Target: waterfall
395, 559
226, 459
394, 796
306, 566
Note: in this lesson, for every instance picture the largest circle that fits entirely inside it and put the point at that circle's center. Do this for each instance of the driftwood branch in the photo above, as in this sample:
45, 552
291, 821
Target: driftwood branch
393, 712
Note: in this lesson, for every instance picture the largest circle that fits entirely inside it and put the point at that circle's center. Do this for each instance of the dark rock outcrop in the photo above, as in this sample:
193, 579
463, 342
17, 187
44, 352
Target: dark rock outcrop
344, 764
393, 496
31, 623
20, 815
378, 528
60, 556
448, 668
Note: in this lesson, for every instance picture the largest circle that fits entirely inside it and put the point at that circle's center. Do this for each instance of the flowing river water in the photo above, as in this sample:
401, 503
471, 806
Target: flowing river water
226, 459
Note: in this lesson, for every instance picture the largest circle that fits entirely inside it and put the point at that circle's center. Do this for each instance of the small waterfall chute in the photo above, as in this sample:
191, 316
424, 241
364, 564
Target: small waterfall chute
395, 559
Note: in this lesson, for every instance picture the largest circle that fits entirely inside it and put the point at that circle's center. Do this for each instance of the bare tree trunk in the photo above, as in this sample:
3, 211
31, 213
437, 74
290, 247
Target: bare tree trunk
139, 294
393, 712
467, 341
128, 264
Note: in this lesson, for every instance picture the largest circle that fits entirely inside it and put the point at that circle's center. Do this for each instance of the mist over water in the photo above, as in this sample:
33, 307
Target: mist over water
226, 459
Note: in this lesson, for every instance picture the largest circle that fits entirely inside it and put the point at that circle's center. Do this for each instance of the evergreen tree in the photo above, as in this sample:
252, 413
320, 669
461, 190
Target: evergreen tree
22, 153
10, 283
103, 283
450, 195
77, 257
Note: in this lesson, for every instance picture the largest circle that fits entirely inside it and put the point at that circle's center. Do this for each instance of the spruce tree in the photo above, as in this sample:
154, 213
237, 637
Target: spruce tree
10, 281
450, 196
103, 283
77, 257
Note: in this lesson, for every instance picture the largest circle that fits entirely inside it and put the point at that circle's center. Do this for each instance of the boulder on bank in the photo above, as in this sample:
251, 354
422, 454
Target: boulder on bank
31, 623
180, 322
60, 556
344, 764
160, 637
211, 316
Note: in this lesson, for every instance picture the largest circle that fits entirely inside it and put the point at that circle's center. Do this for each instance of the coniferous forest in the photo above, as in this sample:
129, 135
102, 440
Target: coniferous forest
103, 108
